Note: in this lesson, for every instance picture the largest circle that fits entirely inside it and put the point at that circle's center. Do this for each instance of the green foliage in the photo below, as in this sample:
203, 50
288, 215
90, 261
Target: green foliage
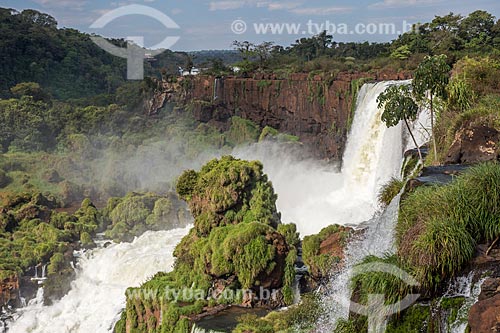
137, 212
242, 131
401, 53
4, 179
296, 318
432, 75
398, 105
460, 95
229, 191
251, 323
391, 284
416, 319
320, 265
31, 89
390, 190
269, 133
439, 227
32, 234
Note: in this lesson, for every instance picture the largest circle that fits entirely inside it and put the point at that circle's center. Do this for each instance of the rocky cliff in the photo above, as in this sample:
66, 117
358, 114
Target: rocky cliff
316, 108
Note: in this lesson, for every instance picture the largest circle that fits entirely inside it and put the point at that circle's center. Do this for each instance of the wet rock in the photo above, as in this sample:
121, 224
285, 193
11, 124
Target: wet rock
474, 145
440, 174
484, 316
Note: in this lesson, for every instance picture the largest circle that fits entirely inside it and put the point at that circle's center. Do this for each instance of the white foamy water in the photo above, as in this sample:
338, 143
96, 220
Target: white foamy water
310, 194
97, 295
315, 196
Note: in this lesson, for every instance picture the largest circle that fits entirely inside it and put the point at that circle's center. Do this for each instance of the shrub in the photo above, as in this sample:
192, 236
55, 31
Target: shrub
389, 191
439, 227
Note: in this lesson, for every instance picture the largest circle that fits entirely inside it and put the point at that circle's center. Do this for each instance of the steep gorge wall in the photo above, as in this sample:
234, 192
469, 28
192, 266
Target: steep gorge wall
316, 108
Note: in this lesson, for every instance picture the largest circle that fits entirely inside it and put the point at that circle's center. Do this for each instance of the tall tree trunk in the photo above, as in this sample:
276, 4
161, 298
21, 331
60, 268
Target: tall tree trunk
432, 129
414, 141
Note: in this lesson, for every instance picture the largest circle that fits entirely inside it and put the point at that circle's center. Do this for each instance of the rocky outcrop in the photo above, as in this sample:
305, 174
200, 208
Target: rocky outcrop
316, 108
484, 316
324, 253
474, 145
9, 290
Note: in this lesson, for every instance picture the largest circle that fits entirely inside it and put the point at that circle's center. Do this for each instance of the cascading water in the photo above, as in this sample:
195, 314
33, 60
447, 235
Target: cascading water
315, 196
309, 194
465, 287
98, 294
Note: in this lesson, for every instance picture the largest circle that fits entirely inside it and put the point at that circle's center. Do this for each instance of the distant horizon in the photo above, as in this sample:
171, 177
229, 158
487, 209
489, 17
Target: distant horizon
214, 25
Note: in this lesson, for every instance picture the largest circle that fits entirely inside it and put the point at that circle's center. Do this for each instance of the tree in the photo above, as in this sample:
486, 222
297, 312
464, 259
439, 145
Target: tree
263, 51
245, 48
398, 105
32, 89
431, 77
401, 53
476, 29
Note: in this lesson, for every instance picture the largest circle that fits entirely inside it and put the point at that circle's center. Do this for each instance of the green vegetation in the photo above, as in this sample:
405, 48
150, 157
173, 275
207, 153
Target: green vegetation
242, 131
439, 227
398, 105
237, 240
432, 76
135, 213
320, 264
32, 233
390, 190
301, 317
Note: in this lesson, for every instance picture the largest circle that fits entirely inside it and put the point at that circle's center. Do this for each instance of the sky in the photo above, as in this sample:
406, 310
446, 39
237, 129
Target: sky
206, 25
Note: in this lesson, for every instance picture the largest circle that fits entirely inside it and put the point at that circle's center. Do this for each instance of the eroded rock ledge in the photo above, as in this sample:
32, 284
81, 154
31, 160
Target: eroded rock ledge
316, 108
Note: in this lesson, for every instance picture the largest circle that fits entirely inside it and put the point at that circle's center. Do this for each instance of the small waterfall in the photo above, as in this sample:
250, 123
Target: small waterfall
465, 287
97, 295
378, 241
43, 276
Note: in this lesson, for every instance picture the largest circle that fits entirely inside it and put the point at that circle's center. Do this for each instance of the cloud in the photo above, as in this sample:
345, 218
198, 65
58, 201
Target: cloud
75, 4
321, 10
237, 4
283, 5
226, 5
404, 3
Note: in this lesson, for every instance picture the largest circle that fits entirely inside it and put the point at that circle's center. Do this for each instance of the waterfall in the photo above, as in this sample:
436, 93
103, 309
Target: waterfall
310, 194
97, 295
315, 196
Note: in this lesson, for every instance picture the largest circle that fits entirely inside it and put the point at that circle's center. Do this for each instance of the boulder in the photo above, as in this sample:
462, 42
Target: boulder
484, 316
474, 145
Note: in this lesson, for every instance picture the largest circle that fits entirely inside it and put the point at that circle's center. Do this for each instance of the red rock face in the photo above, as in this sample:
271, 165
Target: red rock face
317, 109
9, 290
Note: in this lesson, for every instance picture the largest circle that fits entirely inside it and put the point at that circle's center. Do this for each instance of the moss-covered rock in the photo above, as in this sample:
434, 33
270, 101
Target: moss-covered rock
322, 251
136, 213
237, 244
34, 234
